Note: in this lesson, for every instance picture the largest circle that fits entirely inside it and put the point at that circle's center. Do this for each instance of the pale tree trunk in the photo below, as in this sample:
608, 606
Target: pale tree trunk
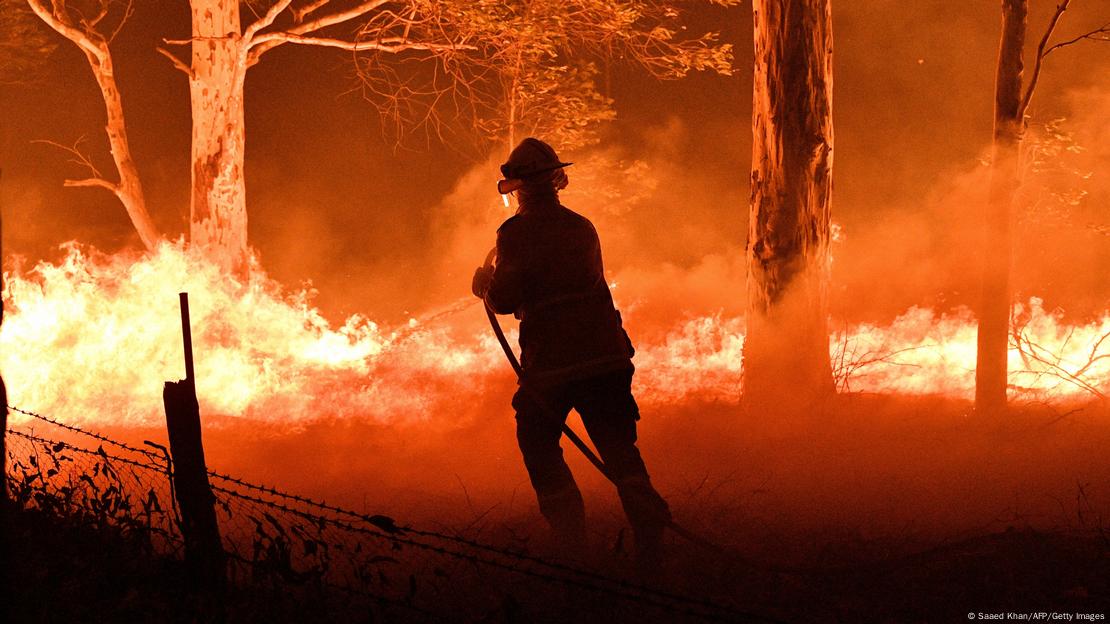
786, 348
129, 189
218, 209
994, 308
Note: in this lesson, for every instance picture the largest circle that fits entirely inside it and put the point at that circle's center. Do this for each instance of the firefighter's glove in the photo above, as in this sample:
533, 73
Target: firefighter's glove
480, 284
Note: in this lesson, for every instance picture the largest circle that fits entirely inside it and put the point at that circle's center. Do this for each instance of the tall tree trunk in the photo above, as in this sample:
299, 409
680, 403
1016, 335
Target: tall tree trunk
786, 350
130, 188
994, 307
218, 209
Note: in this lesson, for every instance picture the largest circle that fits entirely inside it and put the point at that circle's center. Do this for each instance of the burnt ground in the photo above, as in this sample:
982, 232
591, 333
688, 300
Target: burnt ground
869, 509
69, 573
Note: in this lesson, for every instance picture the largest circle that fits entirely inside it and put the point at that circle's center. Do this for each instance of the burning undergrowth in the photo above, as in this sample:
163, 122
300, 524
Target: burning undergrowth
97, 334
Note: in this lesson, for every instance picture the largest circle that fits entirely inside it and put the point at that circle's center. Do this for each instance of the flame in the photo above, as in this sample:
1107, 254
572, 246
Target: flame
92, 337
97, 334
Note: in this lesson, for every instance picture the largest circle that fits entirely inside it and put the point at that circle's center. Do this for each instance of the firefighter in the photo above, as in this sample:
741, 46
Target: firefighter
575, 353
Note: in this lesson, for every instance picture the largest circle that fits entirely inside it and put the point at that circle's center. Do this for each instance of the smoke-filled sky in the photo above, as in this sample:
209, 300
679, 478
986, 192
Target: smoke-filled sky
393, 232
390, 232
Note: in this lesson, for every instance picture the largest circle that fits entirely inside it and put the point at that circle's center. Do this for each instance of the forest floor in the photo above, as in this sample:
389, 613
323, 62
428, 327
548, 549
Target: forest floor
868, 509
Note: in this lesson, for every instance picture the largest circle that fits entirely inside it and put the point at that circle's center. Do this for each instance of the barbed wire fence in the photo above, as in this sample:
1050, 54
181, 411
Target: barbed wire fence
292, 543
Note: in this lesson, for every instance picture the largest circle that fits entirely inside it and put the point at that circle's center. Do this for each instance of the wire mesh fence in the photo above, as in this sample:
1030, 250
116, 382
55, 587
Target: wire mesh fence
340, 559
93, 486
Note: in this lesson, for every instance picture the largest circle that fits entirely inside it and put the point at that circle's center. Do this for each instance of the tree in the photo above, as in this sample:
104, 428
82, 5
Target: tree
543, 59
786, 346
92, 33
460, 46
1011, 102
223, 49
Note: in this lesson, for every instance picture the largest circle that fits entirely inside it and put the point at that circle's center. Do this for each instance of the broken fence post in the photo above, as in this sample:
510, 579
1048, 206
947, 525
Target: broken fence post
204, 554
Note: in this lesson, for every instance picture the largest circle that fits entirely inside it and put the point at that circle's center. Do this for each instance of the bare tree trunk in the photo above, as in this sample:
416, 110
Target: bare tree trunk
129, 189
218, 209
787, 345
994, 309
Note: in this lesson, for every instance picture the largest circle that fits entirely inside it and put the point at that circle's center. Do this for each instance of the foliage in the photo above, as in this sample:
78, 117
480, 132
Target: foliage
1055, 183
546, 56
533, 67
88, 487
25, 46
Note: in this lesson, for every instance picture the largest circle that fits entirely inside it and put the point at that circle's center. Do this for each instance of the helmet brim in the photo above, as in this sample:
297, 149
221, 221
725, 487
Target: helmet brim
505, 171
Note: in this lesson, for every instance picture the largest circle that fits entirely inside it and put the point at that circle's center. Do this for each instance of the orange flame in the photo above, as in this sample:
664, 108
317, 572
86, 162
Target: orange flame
91, 338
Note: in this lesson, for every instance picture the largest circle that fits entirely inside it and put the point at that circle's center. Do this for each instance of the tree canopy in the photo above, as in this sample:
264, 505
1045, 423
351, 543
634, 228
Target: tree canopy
25, 46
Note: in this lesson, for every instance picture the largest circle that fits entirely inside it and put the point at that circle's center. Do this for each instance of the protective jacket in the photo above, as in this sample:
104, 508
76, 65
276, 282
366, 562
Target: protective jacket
550, 275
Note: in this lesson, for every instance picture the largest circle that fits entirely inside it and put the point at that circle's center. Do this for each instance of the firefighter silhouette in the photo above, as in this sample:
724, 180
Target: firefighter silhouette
575, 353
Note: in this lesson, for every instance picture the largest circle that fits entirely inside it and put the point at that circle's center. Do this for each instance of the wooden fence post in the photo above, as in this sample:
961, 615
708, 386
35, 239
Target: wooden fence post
204, 554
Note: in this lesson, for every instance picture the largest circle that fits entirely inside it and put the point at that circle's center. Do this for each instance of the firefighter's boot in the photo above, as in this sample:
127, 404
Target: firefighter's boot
566, 515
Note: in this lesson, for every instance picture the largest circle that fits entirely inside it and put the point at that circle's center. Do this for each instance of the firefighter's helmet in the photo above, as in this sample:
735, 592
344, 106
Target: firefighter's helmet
532, 157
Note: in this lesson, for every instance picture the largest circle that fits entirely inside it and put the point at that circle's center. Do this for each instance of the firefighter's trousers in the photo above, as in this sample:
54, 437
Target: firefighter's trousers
609, 413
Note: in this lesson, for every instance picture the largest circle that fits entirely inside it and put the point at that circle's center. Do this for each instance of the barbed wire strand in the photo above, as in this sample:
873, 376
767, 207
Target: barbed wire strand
732, 614
562, 567
118, 474
623, 588
84, 432
428, 615
97, 453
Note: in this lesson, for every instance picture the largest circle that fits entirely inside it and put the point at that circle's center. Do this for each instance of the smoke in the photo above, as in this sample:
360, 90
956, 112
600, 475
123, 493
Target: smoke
1062, 249
298, 390
673, 234
671, 237
926, 251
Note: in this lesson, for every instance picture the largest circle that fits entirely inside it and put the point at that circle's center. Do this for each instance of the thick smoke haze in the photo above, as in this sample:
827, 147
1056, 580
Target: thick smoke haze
391, 232
358, 368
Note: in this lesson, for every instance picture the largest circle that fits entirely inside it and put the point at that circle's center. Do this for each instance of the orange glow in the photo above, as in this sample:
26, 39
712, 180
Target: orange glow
100, 331
90, 339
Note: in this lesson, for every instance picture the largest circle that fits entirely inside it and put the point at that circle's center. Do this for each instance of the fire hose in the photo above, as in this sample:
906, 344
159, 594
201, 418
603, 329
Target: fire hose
574, 437
727, 554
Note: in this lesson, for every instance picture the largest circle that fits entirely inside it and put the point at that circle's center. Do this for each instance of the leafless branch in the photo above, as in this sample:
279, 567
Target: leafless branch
392, 45
266, 20
82, 159
79, 157
97, 182
64, 20
91, 23
178, 63
1102, 33
56, 18
127, 13
1052, 364
308, 9
338, 18
190, 40
1041, 53
261, 44
847, 362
